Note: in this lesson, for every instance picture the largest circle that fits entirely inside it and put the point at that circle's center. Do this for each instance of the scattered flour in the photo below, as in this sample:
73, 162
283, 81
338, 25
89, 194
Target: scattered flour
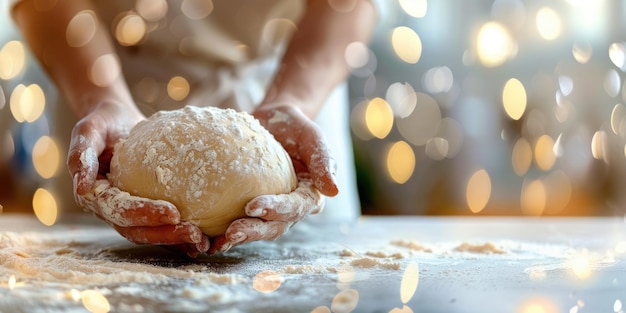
370, 263
412, 245
485, 248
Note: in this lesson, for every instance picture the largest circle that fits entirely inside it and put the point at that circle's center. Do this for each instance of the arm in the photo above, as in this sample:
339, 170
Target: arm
312, 66
75, 49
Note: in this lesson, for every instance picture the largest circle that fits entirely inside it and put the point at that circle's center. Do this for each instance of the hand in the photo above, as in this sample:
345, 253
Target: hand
140, 220
272, 215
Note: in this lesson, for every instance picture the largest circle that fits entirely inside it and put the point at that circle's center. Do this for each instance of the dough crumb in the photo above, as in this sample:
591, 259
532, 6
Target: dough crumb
385, 255
370, 263
303, 269
486, 248
412, 245
347, 253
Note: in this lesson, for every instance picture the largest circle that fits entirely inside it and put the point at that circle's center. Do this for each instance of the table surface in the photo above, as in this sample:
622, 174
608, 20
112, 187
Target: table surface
378, 264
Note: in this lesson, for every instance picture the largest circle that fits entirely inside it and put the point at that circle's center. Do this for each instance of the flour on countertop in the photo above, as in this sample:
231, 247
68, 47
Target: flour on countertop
412, 245
485, 248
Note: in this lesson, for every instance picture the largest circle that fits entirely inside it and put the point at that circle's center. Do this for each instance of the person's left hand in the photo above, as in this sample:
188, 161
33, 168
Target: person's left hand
270, 216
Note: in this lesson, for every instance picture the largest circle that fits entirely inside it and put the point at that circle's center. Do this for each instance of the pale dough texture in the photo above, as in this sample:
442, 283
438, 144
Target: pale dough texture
207, 161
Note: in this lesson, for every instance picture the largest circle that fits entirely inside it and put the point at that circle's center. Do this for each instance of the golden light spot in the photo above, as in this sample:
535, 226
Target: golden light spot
94, 301
409, 282
75, 295
130, 29
358, 123
424, 121
548, 23
478, 191
617, 54
45, 207
44, 5
522, 156
197, 9
406, 44
378, 118
580, 264
104, 70
357, 55
414, 8
599, 143
617, 306
267, 281
544, 152
494, 44
404, 309
582, 52
12, 282
533, 199
345, 301
12, 59
46, 157
81, 29
400, 162
151, 10
559, 191
539, 305
342, 5
27, 104
276, 29
178, 88
321, 309
514, 98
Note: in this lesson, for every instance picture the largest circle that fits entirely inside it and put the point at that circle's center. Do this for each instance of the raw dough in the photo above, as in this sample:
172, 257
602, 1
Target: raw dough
207, 161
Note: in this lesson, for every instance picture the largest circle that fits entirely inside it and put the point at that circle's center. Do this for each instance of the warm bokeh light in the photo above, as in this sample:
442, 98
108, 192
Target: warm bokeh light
197, 9
151, 10
514, 98
582, 52
437, 148
618, 119
548, 23
81, 29
559, 191
438, 80
378, 118
521, 156
45, 206
533, 198
494, 44
130, 29
539, 305
404, 309
178, 88
402, 99
75, 295
12, 282
424, 121
599, 145
46, 157
478, 191
544, 152
357, 121
267, 281
94, 301
409, 282
27, 103
12, 59
617, 54
345, 301
407, 44
105, 70
612, 83
580, 264
617, 306
400, 162
321, 309
414, 8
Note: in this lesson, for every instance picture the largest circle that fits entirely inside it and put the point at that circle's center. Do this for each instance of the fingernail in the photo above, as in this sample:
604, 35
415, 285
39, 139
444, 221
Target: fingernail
225, 247
237, 237
257, 212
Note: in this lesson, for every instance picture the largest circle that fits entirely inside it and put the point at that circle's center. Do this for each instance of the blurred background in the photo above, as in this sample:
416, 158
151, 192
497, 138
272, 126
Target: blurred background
504, 107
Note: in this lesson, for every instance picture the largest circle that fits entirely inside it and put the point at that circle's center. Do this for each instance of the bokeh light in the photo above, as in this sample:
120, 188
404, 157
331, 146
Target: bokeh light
409, 282
45, 206
495, 45
402, 99
534, 198
544, 152
267, 281
46, 157
582, 52
617, 54
27, 103
197, 9
478, 191
406, 44
357, 55
548, 23
342, 5
438, 80
151, 10
81, 29
12, 59
612, 83
345, 301
178, 88
414, 8
522, 156
379, 118
105, 70
423, 122
130, 29
400, 162
514, 98
94, 301
599, 145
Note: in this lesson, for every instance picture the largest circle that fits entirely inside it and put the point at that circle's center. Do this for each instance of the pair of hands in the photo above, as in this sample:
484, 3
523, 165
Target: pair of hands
148, 221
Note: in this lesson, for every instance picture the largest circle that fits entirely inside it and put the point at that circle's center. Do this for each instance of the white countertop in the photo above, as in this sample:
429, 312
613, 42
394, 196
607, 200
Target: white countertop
379, 264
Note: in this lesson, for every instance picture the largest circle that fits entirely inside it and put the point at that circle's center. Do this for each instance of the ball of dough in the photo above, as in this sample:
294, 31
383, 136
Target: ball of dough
207, 161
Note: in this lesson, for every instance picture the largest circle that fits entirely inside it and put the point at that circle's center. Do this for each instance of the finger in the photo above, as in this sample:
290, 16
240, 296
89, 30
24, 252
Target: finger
82, 161
183, 233
320, 163
190, 249
124, 210
247, 230
291, 207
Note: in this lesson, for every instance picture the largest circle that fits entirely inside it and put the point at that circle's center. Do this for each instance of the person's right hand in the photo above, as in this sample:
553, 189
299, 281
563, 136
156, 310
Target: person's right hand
140, 220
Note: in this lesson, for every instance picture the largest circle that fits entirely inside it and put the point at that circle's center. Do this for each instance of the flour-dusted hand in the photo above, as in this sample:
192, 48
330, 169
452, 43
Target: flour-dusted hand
140, 220
270, 216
